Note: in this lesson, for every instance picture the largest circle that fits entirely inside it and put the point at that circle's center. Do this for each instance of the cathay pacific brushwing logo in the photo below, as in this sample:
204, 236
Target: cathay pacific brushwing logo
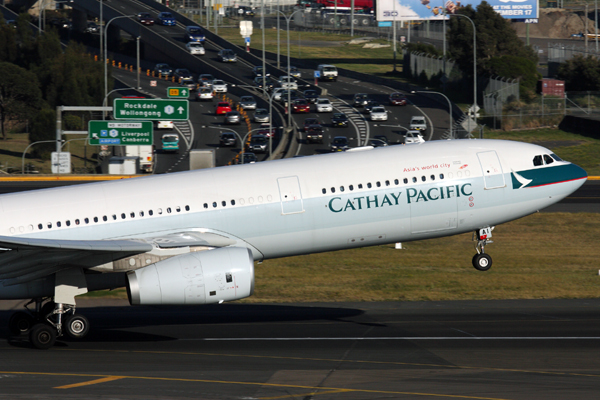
521, 181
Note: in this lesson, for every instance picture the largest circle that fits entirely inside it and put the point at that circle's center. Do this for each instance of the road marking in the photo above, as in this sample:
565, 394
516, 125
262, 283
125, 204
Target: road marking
94, 382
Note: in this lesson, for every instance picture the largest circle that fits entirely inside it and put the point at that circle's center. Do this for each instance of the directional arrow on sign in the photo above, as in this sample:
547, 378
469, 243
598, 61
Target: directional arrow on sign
180, 109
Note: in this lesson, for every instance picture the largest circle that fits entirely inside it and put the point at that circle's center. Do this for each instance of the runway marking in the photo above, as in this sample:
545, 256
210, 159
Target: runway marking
302, 395
94, 382
324, 390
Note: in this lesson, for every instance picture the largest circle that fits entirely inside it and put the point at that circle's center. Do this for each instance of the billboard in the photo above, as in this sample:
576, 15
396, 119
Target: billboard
410, 10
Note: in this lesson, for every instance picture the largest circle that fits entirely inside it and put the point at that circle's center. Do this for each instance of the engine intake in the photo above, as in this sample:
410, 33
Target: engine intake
204, 277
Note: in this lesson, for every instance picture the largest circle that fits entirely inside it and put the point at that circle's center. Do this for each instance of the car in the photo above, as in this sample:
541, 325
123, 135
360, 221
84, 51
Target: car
324, 105
397, 99
277, 94
288, 82
258, 144
195, 48
258, 71
205, 79
293, 95
261, 115
182, 73
339, 143
233, 118
378, 113
194, 34
295, 72
227, 139
314, 133
189, 83
370, 104
219, 86
145, 18
339, 120
205, 93
360, 100
311, 95
244, 11
417, 123
163, 70
265, 129
92, 27
223, 107
300, 106
413, 136
249, 158
227, 55
165, 125
259, 80
310, 121
248, 103
166, 18
379, 141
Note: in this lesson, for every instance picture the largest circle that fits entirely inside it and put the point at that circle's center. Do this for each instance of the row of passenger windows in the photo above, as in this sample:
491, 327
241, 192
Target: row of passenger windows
114, 217
414, 179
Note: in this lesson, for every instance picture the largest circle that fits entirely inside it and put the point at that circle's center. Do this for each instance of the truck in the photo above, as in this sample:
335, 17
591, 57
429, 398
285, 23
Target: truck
327, 72
202, 158
417, 123
145, 155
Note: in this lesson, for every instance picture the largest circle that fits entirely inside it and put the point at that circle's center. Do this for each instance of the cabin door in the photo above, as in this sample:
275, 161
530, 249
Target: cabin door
290, 195
493, 177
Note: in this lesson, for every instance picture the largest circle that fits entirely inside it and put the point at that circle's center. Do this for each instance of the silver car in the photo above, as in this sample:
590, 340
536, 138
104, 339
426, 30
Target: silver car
233, 118
195, 48
378, 114
261, 115
227, 55
219, 86
247, 103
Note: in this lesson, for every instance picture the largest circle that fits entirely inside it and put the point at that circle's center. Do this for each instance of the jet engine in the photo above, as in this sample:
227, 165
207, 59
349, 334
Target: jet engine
204, 277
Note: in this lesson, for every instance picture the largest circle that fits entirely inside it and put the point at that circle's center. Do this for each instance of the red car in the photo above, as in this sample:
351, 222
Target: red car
300, 106
145, 18
223, 107
397, 99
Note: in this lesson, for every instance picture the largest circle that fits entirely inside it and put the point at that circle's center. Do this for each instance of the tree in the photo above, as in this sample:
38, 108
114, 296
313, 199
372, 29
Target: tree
20, 95
580, 73
8, 43
43, 128
520, 68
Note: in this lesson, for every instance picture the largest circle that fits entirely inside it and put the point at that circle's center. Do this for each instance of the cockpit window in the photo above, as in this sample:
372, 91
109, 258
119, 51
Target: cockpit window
557, 158
548, 159
537, 160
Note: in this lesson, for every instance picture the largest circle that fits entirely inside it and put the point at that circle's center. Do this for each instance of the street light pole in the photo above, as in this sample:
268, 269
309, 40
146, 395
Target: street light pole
27, 148
474, 65
106, 51
449, 106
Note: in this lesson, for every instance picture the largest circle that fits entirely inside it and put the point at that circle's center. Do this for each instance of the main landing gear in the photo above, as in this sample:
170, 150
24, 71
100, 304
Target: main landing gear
53, 318
481, 260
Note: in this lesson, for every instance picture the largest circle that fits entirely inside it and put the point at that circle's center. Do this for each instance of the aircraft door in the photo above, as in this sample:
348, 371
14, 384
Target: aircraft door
493, 177
290, 195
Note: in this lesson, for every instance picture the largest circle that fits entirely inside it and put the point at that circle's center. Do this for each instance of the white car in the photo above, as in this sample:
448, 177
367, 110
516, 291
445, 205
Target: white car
205, 93
219, 86
288, 82
261, 115
165, 125
379, 114
277, 93
324, 105
195, 48
413, 136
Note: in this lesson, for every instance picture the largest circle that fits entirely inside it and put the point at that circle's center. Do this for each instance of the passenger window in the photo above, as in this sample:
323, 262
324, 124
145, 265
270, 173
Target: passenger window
169, 209
178, 209
40, 226
214, 204
360, 185
378, 184
405, 181
95, 219
396, 182
114, 217
223, 203
351, 187
132, 214
150, 212
232, 203
68, 223
432, 177
49, 225
76, 222
123, 216
187, 208
387, 183
548, 159
58, 224
324, 190
423, 178
104, 218
332, 190
205, 205
414, 179
341, 188
369, 185
537, 160
141, 213
441, 176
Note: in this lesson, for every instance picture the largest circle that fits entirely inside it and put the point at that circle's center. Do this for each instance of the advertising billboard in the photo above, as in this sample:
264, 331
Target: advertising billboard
410, 10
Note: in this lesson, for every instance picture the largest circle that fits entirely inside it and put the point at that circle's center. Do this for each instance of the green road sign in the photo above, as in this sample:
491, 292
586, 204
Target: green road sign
130, 133
178, 92
151, 109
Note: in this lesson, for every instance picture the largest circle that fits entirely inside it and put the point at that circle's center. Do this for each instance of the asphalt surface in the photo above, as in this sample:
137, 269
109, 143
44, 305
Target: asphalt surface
536, 349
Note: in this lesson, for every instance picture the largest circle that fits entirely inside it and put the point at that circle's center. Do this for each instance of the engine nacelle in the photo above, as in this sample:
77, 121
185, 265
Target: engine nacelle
203, 277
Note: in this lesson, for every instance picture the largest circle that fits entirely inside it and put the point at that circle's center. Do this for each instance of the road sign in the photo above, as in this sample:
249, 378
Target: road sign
61, 162
132, 133
151, 109
178, 92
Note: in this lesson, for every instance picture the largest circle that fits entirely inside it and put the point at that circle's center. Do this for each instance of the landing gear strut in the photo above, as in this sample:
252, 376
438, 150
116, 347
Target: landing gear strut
481, 260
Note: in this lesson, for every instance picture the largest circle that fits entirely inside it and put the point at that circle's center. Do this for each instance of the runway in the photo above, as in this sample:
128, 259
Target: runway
535, 349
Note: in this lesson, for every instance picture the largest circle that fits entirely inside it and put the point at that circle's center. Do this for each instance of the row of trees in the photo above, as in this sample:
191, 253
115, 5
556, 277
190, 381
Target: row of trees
38, 73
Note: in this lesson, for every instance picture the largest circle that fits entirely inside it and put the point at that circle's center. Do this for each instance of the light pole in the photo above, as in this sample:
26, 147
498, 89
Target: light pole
474, 64
242, 141
106, 51
108, 94
449, 106
27, 148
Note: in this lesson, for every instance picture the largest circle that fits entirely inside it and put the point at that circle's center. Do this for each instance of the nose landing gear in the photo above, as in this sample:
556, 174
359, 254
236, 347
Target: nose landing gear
481, 260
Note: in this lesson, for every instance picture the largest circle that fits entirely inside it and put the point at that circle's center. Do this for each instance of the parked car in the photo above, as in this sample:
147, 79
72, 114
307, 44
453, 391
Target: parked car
166, 18
227, 139
378, 114
223, 107
300, 106
324, 105
205, 93
261, 115
163, 70
248, 103
339, 120
219, 86
233, 118
195, 48
339, 143
397, 99
227, 55
145, 18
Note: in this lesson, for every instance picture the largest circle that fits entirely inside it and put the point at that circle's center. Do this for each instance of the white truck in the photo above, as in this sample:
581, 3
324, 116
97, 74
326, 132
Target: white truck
327, 72
202, 158
417, 123
145, 154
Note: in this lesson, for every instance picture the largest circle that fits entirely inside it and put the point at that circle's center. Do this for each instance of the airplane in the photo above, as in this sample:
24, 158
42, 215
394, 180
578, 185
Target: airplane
191, 238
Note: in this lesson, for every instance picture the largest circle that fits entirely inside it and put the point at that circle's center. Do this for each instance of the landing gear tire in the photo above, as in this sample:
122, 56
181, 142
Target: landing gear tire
42, 336
20, 322
76, 326
482, 262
